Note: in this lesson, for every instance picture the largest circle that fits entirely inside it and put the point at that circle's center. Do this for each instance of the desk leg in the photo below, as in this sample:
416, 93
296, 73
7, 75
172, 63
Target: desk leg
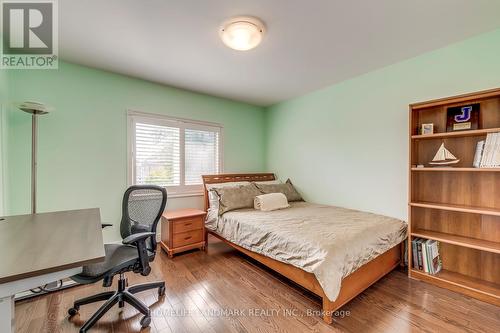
7, 314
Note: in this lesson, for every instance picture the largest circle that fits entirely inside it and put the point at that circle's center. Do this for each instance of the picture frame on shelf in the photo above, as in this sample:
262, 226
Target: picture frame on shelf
462, 118
427, 129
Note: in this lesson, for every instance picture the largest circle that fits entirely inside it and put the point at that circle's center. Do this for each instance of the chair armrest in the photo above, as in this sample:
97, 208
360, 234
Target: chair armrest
104, 225
139, 240
134, 238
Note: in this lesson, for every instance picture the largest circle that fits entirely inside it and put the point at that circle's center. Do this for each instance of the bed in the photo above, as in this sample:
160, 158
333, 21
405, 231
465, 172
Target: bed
333, 252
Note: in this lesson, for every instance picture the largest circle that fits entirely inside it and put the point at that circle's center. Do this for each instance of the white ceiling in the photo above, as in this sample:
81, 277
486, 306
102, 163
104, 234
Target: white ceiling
308, 45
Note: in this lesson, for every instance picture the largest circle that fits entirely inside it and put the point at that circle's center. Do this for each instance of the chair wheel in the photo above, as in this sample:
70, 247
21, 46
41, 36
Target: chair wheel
145, 321
161, 291
72, 311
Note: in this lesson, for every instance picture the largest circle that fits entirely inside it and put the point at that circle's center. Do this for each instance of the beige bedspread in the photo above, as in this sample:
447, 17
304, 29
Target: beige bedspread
330, 242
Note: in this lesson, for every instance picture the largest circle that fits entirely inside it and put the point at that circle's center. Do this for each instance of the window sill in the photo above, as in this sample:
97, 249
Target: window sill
185, 195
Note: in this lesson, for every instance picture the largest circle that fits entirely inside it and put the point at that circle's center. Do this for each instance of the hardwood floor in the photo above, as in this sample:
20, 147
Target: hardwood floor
223, 291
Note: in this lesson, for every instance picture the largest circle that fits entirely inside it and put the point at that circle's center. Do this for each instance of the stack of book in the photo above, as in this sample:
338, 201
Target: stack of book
426, 255
488, 152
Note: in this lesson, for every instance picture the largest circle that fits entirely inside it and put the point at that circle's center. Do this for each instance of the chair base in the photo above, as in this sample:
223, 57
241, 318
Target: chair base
123, 295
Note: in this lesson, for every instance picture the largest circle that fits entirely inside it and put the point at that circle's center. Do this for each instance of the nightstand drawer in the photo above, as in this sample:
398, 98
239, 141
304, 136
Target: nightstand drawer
188, 225
189, 237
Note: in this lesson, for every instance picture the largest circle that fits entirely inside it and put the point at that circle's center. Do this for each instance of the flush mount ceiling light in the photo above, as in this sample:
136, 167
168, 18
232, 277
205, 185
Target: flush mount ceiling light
242, 33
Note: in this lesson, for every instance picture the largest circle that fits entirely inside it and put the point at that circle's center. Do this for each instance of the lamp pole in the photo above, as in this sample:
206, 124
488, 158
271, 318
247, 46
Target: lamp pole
35, 109
34, 147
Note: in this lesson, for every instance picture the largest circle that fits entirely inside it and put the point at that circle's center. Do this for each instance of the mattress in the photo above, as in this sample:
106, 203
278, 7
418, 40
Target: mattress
330, 242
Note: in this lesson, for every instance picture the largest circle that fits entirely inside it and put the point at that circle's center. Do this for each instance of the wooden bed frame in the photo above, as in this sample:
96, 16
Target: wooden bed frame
352, 285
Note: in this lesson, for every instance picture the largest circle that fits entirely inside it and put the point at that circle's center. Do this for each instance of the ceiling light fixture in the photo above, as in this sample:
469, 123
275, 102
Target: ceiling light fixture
242, 33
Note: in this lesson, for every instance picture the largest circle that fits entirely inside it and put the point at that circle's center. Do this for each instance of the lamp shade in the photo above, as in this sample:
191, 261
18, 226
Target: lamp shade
242, 33
34, 108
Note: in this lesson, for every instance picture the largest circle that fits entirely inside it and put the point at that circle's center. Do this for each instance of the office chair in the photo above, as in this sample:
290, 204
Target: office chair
142, 208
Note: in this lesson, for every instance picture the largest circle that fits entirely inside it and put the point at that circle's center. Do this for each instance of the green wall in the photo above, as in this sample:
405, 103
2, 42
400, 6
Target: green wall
83, 143
344, 145
4, 104
347, 144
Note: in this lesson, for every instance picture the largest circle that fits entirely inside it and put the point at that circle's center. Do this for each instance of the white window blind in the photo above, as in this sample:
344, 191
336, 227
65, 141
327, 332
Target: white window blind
157, 155
201, 155
173, 152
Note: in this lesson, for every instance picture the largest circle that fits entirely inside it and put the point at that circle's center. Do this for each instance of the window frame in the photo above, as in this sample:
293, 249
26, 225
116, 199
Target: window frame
181, 190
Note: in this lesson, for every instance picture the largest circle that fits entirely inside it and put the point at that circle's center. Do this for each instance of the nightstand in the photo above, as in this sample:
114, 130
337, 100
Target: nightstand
182, 230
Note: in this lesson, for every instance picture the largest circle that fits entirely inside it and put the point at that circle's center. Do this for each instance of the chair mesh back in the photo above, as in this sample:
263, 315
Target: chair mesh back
143, 206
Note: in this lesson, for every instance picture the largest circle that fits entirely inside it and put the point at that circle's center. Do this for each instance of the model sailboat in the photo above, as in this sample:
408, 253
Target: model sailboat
444, 157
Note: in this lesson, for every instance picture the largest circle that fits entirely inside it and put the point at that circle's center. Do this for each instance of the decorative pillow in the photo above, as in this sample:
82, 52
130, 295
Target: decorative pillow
269, 182
213, 198
228, 184
231, 198
286, 188
213, 201
271, 201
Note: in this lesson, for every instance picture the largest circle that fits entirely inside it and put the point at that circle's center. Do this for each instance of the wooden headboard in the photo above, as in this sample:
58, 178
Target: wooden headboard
233, 177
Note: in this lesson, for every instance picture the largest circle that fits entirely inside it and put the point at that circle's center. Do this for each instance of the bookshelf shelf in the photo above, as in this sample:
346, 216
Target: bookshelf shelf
469, 234
459, 134
448, 169
469, 242
484, 290
457, 208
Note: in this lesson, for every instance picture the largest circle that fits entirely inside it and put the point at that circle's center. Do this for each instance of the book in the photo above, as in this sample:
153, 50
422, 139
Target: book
425, 258
435, 259
419, 254
432, 256
495, 159
426, 255
479, 154
486, 151
491, 152
414, 253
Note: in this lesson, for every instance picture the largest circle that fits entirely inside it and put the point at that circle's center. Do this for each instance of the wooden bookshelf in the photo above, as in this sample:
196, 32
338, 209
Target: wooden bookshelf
477, 288
473, 243
480, 132
458, 206
442, 169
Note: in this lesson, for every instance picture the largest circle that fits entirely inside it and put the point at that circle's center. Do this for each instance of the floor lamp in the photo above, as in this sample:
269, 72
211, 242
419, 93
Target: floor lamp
35, 109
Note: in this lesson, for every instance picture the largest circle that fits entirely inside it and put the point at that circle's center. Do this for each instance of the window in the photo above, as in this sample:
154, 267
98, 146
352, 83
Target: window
172, 152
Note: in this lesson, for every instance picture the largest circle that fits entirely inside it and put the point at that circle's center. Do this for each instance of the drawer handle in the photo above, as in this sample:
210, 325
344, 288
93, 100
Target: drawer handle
189, 237
187, 223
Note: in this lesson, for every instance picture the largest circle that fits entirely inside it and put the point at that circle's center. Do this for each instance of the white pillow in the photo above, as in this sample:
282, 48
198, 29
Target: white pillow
271, 201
